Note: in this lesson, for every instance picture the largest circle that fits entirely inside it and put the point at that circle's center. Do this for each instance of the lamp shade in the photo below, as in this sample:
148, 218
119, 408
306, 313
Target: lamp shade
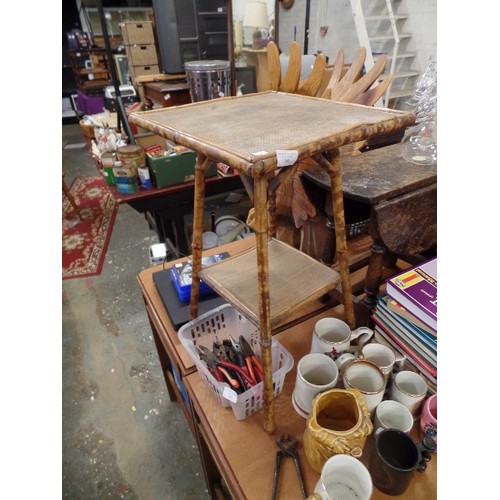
256, 15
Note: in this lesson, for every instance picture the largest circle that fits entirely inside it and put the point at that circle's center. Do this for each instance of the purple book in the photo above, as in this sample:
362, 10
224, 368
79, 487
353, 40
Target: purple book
416, 290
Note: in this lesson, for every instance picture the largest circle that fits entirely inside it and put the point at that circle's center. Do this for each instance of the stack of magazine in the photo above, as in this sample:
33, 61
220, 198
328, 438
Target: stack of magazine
406, 317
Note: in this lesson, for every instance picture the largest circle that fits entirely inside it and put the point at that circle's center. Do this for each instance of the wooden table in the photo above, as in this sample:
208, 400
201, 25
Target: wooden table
403, 201
163, 88
259, 134
166, 93
258, 59
166, 207
240, 454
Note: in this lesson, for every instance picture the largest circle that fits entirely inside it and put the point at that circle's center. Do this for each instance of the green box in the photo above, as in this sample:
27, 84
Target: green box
175, 168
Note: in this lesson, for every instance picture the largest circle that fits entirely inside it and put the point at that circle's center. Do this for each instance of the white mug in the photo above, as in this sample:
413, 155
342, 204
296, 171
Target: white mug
315, 373
343, 362
384, 357
410, 389
334, 335
368, 379
344, 476
391, 414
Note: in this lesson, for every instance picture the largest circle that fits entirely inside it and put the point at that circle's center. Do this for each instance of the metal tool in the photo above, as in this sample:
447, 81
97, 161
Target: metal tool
254, 367
287, 446
214, 365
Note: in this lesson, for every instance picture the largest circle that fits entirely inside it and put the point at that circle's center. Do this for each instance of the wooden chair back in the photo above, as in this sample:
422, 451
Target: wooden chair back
353, 86
290, 82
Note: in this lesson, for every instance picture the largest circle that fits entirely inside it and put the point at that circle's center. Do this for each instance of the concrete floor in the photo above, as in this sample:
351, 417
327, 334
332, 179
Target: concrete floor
121, 435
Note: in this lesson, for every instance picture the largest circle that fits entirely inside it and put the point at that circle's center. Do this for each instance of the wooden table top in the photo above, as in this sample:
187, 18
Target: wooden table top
246, 453
246, 132
377, 175
166, 86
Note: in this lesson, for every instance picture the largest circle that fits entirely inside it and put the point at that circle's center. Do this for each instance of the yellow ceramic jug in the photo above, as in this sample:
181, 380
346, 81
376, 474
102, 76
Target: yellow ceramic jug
339, 422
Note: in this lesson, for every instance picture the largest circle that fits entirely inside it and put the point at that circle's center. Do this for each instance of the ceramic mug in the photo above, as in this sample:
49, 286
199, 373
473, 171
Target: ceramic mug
368, 379
395, 459
410, 389
428, 418
343, 361
344, 476
384, 357
315, 373
332, 335
392, 415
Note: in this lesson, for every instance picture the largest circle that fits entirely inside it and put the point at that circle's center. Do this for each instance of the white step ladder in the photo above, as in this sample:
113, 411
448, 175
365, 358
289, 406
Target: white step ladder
379, 26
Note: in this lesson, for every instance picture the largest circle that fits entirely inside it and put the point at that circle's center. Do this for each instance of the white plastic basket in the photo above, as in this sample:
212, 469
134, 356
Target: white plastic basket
218, 325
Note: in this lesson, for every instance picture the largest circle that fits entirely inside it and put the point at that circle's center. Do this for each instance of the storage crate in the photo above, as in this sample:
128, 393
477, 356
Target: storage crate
175, 168
218, 325
141, 55
137, 33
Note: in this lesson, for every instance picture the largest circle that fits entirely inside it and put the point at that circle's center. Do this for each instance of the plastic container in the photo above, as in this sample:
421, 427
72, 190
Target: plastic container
217, 325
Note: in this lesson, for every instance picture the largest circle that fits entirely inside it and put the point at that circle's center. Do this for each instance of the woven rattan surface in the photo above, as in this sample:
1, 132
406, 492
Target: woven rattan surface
294, 280
246, 131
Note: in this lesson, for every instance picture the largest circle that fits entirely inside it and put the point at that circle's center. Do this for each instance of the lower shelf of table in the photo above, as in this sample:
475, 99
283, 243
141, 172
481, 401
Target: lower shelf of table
295, 279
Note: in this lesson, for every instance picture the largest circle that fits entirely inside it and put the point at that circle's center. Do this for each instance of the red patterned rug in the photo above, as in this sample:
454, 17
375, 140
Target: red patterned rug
84, 242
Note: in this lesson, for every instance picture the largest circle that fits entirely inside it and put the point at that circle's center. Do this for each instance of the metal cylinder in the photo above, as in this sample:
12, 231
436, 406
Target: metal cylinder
208, 79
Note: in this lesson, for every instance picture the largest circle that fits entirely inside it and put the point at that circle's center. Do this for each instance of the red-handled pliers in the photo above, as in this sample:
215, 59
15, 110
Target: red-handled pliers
230, 358
253, 364
215, 367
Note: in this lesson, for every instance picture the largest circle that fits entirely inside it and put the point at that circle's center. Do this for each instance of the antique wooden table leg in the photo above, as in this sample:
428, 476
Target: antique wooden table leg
331, 165
261, 234
373, 278
202, 164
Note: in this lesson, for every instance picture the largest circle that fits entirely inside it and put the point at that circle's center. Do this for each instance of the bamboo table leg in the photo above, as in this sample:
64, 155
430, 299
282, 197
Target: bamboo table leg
332, 167
67, 192
261, 234
202, 164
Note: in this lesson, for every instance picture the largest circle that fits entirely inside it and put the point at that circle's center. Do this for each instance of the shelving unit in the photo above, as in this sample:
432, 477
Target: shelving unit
189, 30
92, 76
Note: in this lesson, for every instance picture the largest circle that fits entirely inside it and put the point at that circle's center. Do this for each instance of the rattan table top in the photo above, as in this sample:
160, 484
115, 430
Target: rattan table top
245, 132
294, 280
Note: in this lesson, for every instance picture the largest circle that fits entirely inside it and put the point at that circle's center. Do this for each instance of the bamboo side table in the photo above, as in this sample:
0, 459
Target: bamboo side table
259, 135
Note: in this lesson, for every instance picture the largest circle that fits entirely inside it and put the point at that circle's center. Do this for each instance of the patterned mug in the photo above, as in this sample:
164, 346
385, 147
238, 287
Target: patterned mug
428, 418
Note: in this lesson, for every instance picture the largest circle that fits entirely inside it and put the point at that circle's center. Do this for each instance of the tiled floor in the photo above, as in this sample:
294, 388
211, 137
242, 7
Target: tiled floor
121, 436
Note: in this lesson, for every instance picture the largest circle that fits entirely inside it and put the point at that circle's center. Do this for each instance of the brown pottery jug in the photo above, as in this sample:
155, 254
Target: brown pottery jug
339, 422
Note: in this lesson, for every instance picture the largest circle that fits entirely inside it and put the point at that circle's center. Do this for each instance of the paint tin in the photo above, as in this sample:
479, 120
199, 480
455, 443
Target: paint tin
131, 156
126, 185
125, 179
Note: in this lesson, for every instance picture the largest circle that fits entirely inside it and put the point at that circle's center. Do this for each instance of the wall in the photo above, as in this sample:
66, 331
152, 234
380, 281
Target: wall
337, 15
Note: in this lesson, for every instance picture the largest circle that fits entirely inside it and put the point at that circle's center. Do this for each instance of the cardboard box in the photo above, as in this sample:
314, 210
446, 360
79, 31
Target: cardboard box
141, 55
175, 168
137, 33
148, 139
147, 70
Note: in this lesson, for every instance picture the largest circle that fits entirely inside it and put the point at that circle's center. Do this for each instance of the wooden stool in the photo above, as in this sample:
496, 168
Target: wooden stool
66, 191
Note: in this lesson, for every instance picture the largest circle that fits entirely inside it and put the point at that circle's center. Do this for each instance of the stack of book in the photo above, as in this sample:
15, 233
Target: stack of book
406, 317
